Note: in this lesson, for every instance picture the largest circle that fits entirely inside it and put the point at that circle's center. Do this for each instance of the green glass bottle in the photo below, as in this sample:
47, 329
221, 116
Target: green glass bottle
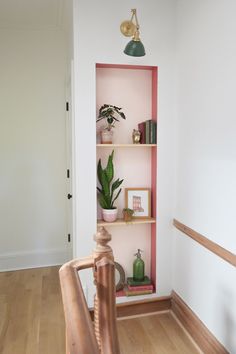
138, 267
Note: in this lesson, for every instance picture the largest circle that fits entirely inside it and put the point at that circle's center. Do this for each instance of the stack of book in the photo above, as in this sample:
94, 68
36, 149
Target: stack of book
139, 287
148, 130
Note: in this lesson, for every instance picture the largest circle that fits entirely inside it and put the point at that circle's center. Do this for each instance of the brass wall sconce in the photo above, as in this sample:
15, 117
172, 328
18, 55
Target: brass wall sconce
128, 28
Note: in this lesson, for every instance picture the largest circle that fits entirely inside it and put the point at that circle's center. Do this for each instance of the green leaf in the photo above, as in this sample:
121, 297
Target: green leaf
109, 170
99, 118
102, 201
99, 190
105, 184
117, 108
99, 171
115, 197
116, 184
110, 120
116, 119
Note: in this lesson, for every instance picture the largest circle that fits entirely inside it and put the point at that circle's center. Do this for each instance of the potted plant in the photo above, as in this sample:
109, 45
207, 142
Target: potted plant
127, 214
111, 114
106, 193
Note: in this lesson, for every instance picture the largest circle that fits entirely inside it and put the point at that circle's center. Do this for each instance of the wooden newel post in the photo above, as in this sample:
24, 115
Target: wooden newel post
105, 304
102, 237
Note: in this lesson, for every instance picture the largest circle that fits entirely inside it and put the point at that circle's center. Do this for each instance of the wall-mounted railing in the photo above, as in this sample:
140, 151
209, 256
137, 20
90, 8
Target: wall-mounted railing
204, 241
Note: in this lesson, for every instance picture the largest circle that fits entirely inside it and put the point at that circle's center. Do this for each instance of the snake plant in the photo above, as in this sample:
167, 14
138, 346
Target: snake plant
106, 194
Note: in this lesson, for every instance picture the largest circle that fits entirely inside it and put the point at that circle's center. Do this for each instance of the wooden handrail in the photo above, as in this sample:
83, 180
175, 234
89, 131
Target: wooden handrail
82, 336
204, 241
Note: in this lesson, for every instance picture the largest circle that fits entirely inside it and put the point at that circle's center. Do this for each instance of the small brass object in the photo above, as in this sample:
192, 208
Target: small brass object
136, 136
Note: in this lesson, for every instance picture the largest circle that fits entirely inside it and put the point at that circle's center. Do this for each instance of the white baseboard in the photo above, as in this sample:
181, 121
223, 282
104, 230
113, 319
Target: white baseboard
34, 259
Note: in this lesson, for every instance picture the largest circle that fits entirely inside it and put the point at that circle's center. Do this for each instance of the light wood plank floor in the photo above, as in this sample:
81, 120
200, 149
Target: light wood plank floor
154, 334
31, 314
32, 322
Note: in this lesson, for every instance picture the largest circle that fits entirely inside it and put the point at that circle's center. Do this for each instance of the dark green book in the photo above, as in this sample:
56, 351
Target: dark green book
153, 132
147, 131
132, 282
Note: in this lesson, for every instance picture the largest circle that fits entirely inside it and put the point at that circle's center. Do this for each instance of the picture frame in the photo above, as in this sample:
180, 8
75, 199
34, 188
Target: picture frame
139, 199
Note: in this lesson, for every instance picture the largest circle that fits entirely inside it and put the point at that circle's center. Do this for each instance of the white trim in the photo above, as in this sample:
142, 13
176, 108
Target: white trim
73, 161
33, 259
74, 111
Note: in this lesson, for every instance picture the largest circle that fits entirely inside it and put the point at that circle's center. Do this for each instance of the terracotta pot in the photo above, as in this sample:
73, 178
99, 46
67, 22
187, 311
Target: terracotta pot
109, 215
106, 136
127, 216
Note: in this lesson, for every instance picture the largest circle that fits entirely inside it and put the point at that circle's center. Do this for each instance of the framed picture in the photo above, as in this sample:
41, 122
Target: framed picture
138, 199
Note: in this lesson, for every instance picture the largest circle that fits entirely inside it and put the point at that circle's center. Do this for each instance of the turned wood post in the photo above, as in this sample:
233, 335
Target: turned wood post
102, 237
105, 304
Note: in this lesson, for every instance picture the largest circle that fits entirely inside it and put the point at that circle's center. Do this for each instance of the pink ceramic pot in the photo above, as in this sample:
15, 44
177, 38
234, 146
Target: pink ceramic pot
109, 215
106, 136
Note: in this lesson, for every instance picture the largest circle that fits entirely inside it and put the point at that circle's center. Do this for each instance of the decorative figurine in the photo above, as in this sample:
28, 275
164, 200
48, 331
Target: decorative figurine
138, 267
136, 136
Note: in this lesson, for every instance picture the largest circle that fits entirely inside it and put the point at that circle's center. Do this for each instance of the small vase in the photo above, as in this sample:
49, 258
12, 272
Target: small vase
106, 136
109, 215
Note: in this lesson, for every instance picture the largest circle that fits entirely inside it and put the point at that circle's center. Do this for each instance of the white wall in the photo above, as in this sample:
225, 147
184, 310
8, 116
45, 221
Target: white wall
206, 161
67, 27
98, 39
32, 138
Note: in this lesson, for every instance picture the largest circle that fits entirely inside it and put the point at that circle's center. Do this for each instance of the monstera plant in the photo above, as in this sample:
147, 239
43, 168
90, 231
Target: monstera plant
107, 192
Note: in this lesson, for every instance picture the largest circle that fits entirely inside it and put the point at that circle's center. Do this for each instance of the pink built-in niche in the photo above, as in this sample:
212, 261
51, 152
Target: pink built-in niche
134, 88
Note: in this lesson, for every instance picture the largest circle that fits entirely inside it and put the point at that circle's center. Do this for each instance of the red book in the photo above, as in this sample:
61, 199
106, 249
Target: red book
120, 293
140, 287
141, 128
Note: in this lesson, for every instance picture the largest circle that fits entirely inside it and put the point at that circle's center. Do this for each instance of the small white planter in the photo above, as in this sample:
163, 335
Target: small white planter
106, 136
109, 215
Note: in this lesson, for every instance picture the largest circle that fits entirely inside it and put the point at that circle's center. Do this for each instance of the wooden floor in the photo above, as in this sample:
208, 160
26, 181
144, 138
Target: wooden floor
31, 320
154, 334
31, 315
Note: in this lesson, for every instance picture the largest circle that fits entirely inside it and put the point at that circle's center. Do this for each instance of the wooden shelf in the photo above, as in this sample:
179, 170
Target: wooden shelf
127, 145
119, 222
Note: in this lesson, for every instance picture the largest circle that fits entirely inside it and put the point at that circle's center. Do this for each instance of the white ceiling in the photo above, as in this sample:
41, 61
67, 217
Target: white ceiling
31, 14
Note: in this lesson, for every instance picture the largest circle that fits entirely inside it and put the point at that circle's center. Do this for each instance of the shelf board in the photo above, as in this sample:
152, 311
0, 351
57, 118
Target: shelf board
119, 222
127, 145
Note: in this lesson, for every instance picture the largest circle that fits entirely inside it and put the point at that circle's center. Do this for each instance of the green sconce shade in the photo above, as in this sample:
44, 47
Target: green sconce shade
135, 49
129, 28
